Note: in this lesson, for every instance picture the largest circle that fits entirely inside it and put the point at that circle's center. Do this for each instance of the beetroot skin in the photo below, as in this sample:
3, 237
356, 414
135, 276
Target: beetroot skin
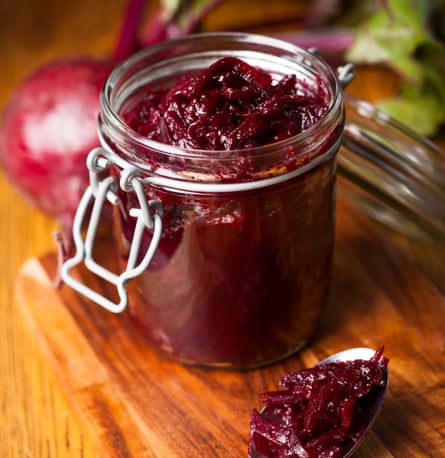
48, 128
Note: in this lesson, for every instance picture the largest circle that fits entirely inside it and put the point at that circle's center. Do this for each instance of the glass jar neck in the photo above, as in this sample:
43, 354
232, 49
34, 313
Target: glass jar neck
162, 65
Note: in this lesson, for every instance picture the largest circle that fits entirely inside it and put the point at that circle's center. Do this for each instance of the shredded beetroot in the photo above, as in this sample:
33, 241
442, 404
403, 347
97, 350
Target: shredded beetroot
319, 411
230, 105
240, 278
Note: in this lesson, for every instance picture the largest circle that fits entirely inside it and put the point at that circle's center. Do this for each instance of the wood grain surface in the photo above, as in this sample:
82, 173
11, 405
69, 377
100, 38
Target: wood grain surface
35, 418
133, 402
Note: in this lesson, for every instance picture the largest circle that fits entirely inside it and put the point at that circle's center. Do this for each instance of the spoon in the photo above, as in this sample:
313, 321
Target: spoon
373, 403
378, 395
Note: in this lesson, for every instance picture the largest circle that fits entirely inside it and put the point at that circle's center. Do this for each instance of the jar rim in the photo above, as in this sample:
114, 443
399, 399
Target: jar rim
118, 125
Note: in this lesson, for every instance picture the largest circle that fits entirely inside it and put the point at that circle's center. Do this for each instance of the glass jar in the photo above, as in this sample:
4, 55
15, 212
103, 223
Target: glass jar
228, 252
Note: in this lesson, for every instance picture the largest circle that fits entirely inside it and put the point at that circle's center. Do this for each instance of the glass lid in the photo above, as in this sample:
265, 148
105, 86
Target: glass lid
392, 173
396, 177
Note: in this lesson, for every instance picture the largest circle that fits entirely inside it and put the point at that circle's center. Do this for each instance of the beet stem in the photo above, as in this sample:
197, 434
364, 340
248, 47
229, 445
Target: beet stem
185, 18
127, 42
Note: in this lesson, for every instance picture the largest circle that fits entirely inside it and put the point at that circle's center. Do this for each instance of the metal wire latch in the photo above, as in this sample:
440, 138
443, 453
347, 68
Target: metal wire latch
148, 215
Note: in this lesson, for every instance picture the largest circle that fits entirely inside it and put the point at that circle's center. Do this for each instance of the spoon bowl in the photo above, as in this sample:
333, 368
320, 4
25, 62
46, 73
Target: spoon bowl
376, 397
342, 399
349, 355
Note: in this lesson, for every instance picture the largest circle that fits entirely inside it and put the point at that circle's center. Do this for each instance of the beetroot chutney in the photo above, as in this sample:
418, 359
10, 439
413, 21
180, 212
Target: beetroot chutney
319, 412
241, 154
230, 105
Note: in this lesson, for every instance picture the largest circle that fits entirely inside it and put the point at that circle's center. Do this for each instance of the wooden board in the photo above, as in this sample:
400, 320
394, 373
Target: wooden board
135, 403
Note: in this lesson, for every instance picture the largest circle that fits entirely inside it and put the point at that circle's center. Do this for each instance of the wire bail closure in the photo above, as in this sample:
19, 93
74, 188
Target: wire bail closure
148, 216
345, 73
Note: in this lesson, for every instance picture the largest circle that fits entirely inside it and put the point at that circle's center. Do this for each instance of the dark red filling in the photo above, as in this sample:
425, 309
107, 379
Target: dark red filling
240, 278
319, 412
230, 105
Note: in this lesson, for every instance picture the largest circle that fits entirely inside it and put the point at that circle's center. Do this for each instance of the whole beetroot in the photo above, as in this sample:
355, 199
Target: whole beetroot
49, 126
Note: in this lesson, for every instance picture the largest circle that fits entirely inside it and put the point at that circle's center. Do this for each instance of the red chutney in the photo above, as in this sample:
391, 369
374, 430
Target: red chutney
318, 412
240, 277
230, 105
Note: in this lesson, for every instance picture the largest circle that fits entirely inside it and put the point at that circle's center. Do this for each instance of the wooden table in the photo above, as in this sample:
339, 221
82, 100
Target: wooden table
35, 418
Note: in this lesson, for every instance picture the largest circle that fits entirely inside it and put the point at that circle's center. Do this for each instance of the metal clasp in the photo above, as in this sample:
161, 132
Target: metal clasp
346, 74
148, 215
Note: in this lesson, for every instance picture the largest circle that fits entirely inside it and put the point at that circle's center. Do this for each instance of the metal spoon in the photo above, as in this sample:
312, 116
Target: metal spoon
375, 403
